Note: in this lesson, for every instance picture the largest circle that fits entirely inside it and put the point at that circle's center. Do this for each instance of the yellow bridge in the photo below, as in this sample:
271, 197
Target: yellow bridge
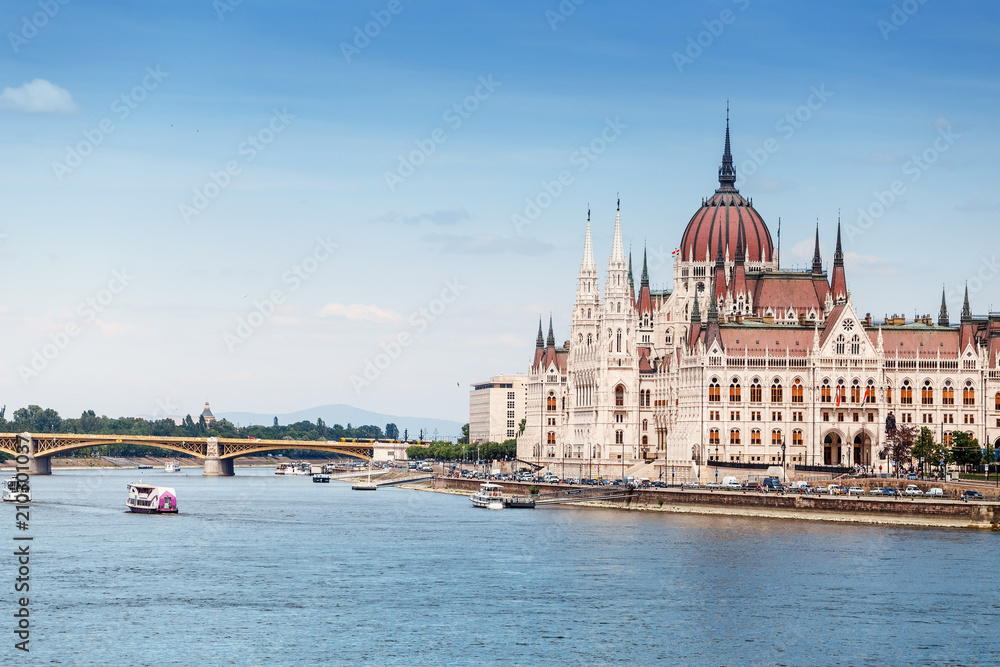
36, 450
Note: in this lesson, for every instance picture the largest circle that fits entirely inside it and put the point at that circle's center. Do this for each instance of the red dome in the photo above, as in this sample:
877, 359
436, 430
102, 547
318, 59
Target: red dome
724, 214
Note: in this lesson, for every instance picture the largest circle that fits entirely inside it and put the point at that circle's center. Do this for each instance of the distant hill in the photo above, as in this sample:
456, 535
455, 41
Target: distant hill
346, 414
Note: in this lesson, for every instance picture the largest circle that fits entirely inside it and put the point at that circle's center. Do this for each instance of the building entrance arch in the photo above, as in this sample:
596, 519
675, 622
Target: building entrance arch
863, 449
832, 445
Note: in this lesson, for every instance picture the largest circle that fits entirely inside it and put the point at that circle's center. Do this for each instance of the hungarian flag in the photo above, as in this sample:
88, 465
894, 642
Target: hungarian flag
868, 396
675, 252
840, 394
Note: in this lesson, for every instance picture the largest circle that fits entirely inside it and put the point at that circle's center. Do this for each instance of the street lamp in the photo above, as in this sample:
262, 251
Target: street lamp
784, 472
716, 463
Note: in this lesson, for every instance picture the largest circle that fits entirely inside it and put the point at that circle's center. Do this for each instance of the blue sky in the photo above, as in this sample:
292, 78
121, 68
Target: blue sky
248, 144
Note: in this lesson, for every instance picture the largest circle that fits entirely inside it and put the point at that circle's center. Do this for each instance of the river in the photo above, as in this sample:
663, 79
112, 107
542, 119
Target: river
258, 569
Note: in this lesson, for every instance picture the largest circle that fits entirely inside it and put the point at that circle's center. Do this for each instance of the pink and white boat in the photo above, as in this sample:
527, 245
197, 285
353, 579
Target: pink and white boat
149, 499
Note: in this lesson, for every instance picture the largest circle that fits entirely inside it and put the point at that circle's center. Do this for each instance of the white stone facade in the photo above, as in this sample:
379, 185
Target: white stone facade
496, 408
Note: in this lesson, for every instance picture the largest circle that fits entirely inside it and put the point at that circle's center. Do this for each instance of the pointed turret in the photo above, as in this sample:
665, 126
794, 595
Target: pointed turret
817, 260
645, 274
712, 332
551, 340
631, 282
617, 248
727, 173
738, 284
966, 311
719, 278
643, 301
540, 342
839, 284
695, 311
943, 320
588, 249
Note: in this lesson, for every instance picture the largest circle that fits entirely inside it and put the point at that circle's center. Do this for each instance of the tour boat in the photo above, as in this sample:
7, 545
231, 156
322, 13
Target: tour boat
284, 469
301, 469
321, 479
16, 492
488, 493
172, 466
149, 499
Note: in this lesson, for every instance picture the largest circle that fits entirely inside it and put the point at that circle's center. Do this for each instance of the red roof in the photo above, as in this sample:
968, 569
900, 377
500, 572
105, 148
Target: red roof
722, 214
912, 339
780, 290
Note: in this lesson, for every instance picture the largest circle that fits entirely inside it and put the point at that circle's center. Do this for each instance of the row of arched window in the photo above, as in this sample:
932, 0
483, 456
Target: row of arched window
734, 436
927, 393
756, 391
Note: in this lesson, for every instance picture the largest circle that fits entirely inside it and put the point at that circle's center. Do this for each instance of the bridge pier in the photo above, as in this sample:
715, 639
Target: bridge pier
215, 466
37, 465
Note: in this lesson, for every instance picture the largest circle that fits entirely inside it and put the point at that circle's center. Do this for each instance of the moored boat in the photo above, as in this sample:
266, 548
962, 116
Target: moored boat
488, 493
16, 492
172, 466
284, 469
321, 479
149, 499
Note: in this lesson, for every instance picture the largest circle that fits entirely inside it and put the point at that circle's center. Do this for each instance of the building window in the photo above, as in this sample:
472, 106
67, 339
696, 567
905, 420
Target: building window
855, 345
870, 392
645, 440
857, 417
825, 396
871, 416
551, 440
713, 436
734, 436
968, 394
619, 437
888, 394
997, 399
755, 437
926, 394
713, 391
620, 396
734, 392
948, 419
775, 416
826, 416
906, 393
755, 392
839, 347
855, 392
947, 439
796, 437
755, 416
776, 437
618, 343
970, 419
776, 391
840, 416
734, 415
550, 402
948, 394
797, 392
645, 423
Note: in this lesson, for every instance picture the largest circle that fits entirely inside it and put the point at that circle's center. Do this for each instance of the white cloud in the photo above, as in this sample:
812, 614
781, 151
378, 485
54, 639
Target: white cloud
360, 312
39, 96
868, 264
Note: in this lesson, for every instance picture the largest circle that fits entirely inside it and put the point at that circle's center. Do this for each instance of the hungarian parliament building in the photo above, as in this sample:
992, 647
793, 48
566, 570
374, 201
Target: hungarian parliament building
744, 362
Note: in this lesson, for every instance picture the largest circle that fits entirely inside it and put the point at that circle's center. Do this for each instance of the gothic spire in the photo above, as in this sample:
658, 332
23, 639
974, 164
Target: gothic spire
943, 320
719, 263
695, 311
838, 285
540, 342
817, 260
838, 255
645, 273
966, 311
713, 312
617, 248
631, 282
727, 174
551, 342
740, 244
588, 249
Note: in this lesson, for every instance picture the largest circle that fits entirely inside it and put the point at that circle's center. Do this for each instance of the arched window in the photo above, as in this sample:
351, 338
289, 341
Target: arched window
734, 436
797, 437
825, 395
755, 436
947, 438
619, 306
551, 440
550, 402
649, 398
855, 345
734, 391
968, 394
948, 394
839, 344
713, 391
997, 400
755, 391
618, 344
927, 394
645, 440
906, 393
776, 438
713, 436
588, 313
619, 396
645, 424
797, 391
888, 393
590, 339
870, 392
855, 392
619, 437
776, 391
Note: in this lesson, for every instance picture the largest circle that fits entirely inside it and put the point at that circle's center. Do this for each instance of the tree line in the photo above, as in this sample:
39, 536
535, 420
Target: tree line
906, 442
35, 419
464, 451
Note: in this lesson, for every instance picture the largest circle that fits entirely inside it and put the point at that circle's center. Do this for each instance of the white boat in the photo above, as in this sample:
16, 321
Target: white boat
366, 486
16, 492
301, 469
488, 493
495, 505
149, 499
172, 466
284, 469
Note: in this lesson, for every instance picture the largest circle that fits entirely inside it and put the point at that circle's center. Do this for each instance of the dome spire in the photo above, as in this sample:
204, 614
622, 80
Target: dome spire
551, 342
727, 174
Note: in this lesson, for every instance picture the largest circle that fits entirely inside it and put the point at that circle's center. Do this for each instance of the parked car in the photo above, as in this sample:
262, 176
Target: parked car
771, 484
834, 489
969, 494
855, 491
731, 483
935, 492
893, 493
913, 490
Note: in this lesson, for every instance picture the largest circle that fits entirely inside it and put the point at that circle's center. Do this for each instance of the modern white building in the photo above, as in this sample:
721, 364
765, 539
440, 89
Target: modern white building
745, 363
497, 407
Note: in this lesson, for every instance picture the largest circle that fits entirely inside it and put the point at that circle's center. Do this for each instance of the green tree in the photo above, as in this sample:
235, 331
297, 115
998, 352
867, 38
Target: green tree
924, 447
391, 432
464, 440
520, 428
965, 449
